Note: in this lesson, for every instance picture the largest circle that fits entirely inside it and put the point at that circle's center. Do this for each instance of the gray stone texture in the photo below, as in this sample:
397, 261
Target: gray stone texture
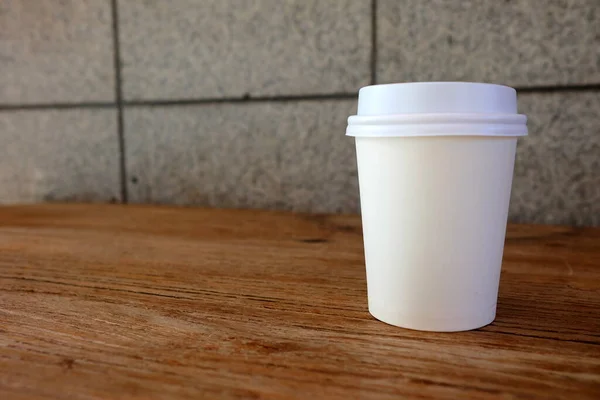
233, 48
59, 155
289, 155
518, 42
56, 51
557, 172
286, 155
294, 156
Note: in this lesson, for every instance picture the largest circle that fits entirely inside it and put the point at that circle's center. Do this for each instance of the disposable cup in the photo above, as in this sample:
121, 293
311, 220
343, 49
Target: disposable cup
435, 166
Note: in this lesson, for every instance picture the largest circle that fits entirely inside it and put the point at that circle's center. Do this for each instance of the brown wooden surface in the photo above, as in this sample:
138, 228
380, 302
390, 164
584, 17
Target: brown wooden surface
109, 301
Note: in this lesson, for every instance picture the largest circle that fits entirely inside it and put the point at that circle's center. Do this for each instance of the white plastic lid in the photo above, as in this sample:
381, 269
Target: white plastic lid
437, 109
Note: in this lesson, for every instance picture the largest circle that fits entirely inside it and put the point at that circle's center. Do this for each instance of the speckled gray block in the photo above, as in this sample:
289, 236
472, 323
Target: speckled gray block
557, 172
59, 155
516, 42
294, 156
290, 155
56, 51
230, 48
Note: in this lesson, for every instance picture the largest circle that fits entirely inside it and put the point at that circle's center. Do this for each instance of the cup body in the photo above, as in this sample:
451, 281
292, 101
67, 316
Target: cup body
434, 212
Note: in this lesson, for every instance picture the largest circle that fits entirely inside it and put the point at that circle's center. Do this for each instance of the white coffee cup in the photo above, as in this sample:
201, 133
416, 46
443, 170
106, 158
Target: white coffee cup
435, 165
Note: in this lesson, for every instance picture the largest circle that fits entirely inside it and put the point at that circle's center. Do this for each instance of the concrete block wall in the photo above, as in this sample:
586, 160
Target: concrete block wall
234, 103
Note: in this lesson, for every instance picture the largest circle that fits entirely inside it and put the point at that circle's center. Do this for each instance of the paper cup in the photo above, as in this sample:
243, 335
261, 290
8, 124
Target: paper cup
435, 166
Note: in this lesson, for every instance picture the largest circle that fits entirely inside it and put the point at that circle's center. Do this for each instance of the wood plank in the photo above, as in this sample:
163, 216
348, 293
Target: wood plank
112, 301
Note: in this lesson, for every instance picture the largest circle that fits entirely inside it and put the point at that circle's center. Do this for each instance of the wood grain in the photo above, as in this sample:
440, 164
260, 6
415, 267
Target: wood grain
110, 301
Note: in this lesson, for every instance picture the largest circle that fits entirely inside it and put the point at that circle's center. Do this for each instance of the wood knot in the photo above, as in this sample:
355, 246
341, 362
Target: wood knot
67, 363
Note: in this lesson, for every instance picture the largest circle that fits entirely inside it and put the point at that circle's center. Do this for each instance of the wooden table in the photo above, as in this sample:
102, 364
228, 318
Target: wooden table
110, 301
